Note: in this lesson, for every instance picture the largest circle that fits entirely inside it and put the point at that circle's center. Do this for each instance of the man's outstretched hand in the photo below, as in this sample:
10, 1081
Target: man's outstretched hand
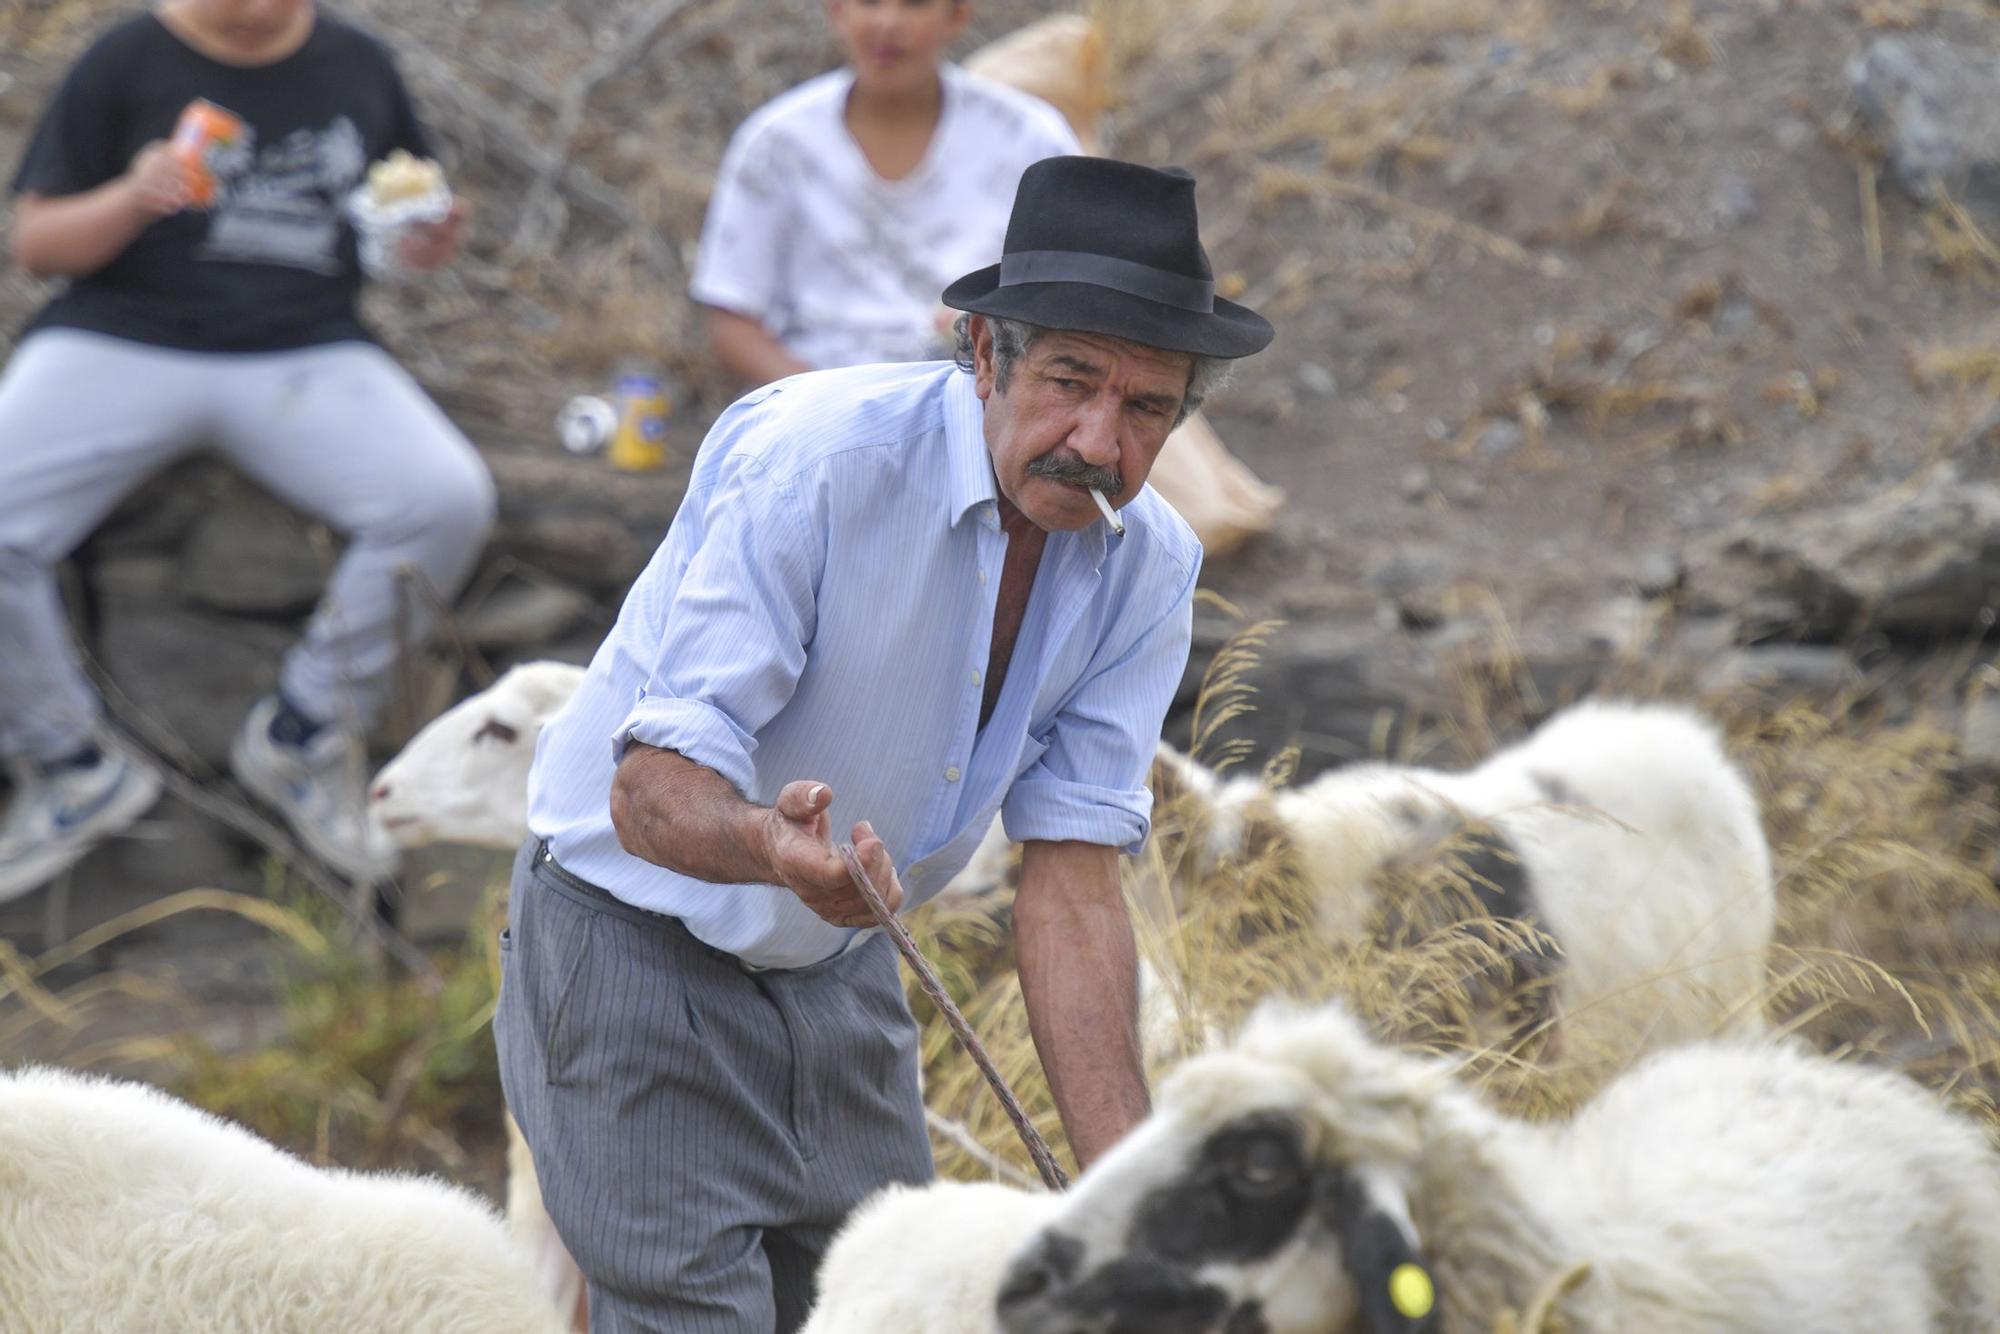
798, 844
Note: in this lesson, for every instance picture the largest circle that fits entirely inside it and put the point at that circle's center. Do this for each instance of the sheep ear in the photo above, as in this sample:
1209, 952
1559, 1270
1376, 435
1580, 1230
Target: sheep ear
1378, 1246
545, 687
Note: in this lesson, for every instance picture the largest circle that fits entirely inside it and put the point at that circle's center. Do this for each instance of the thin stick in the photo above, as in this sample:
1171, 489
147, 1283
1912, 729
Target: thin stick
1110, 515
1871, 216
1038, 1148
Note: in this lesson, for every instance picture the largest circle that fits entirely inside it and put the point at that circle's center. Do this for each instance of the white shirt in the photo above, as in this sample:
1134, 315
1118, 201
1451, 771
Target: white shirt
823, 608
841, 266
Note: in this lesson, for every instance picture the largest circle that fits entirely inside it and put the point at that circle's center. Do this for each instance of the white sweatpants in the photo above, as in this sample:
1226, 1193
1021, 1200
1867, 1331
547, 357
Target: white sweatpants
339, 431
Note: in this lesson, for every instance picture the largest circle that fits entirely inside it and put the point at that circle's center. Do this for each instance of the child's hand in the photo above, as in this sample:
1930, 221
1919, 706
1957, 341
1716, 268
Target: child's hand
156, 183
431, 245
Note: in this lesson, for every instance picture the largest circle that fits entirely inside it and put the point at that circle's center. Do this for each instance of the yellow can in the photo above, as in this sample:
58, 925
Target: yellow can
640, 442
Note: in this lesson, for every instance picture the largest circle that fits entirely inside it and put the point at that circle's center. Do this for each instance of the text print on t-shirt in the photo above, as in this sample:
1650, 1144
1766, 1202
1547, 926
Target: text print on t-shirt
281, 203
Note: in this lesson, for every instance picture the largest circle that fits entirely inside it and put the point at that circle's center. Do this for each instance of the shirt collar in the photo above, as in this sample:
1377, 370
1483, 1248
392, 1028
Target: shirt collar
969, 465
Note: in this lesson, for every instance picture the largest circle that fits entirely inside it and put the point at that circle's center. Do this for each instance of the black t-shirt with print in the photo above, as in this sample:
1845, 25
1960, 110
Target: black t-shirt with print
270, 264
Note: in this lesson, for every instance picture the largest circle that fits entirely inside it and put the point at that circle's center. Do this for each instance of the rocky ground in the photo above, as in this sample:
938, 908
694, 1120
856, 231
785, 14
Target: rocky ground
1621, 343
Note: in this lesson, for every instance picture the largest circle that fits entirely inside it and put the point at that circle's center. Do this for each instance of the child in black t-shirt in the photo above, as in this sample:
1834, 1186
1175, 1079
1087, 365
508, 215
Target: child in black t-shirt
228, 323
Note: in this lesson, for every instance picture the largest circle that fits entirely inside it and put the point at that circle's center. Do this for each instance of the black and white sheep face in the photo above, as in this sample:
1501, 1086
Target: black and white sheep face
1197, 1227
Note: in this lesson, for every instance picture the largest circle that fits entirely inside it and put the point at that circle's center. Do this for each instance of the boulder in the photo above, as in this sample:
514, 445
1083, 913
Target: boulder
579, 519
255, 557
1932, 102
1920, 561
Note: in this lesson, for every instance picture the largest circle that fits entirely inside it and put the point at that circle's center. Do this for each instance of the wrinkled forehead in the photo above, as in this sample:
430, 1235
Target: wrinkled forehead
1135, 367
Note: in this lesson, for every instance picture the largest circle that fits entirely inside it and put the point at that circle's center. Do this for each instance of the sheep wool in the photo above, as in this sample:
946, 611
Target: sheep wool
924, 1259
123, 1209
1729, 1187
1620, 830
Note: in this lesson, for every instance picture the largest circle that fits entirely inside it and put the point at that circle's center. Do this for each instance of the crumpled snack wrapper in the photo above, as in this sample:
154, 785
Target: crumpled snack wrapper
380, 228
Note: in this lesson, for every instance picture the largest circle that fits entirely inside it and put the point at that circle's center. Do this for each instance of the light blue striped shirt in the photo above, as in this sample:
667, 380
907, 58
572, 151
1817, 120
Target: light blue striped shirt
822, 608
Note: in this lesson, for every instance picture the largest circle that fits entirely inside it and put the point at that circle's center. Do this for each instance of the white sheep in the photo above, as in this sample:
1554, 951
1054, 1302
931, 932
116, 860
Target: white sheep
1620, 831
463, 778
925, 1259
124, 1209
1311, 1180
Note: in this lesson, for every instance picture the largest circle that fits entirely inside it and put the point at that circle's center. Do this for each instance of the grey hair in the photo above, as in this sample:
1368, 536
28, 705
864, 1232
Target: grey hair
1013, 338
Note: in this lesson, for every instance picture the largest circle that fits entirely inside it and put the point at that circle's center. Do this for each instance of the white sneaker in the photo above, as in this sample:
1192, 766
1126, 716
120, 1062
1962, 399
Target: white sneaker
320, 789
56, 818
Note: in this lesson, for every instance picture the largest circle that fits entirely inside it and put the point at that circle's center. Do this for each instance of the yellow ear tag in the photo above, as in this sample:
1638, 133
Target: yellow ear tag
1411, 1292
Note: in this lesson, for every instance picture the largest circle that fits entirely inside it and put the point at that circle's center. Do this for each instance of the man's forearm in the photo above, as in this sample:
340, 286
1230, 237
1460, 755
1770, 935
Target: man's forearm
1080, 979
675, 813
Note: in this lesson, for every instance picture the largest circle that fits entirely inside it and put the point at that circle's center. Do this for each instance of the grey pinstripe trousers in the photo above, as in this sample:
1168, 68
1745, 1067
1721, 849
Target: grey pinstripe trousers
700, 1130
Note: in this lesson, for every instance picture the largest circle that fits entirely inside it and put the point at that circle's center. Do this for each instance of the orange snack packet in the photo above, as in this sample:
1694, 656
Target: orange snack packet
203, 128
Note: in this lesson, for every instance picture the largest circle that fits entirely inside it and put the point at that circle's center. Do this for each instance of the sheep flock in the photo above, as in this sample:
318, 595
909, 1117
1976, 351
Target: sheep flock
1518, 1070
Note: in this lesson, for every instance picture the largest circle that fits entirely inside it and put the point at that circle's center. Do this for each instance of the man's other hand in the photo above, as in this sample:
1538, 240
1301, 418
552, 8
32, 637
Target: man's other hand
798, 844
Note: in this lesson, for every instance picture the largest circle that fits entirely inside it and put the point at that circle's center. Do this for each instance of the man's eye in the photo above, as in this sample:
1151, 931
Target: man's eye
1072, 386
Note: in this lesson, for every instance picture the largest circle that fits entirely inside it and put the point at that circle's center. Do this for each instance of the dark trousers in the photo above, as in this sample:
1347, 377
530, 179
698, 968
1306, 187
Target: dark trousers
700, 1129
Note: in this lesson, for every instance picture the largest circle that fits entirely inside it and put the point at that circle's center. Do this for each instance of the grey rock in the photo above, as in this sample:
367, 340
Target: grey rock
1616, 625
525, 615
1340, 692
1317, 379
1779, 672
157, 518
194, 672
1914, 565
580, 520
1416, 484
252, 556
1934, 104
1656, 573
1410, 568
1733, 203
1498, 439
1424, 608
1464, 490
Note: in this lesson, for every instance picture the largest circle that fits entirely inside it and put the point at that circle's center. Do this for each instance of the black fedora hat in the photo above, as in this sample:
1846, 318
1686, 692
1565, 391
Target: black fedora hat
1106, 247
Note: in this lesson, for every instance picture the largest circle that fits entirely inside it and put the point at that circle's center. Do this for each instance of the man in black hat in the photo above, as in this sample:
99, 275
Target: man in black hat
888, 606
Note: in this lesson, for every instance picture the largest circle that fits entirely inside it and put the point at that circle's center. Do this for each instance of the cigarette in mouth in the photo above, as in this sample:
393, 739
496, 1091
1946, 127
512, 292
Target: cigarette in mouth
1110, 515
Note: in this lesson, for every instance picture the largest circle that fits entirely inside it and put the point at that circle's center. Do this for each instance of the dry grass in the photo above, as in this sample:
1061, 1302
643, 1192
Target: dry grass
1956, 245
1888, 921
1886, 951
365, 1069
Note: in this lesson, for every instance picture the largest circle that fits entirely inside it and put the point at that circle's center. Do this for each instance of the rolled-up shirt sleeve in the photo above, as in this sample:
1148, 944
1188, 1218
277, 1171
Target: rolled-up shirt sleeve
1089, 785
734, 637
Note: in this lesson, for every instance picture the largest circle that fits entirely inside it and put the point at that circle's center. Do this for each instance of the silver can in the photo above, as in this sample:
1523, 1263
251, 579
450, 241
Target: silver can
586, 424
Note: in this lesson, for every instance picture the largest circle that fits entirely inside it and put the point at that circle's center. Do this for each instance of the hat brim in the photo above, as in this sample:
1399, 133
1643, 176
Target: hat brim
1231, 331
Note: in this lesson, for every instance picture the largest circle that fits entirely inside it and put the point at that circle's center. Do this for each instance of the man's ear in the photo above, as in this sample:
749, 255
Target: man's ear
982, 357
1378, 1247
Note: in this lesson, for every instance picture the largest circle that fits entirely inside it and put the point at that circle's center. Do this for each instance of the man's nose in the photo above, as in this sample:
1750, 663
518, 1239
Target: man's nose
1095, 437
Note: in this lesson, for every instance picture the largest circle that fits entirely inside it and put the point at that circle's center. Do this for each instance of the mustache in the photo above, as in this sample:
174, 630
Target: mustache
1076, 472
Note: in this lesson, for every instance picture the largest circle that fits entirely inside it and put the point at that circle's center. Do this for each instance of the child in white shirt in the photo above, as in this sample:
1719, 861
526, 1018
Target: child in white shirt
844, 207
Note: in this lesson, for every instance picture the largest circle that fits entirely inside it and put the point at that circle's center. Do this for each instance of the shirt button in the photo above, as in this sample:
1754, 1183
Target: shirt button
975, 678
951, 774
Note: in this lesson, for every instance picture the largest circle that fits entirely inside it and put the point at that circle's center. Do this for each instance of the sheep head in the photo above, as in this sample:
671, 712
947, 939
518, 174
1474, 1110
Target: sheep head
464, 777
1266, 1194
